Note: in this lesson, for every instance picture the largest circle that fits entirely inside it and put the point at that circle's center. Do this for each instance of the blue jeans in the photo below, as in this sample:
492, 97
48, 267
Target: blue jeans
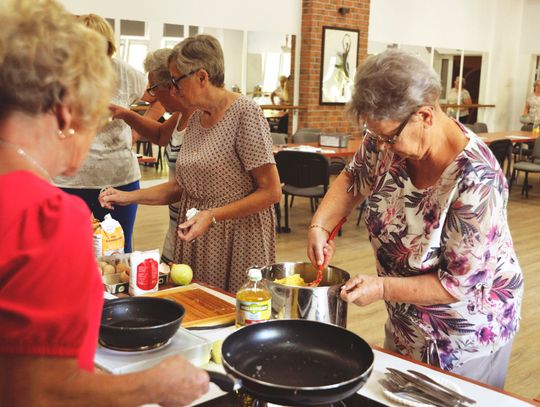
125, 215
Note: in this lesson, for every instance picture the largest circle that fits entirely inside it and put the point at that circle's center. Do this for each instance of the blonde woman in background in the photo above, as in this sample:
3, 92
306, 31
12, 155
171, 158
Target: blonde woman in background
110, 161
51, 294
532, 107
169, 133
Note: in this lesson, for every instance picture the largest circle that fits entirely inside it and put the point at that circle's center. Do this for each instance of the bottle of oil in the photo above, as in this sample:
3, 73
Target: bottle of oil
253, 300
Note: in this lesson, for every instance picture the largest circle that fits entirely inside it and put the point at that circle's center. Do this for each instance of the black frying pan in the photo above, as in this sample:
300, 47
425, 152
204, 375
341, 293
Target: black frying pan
295, 362
139, 322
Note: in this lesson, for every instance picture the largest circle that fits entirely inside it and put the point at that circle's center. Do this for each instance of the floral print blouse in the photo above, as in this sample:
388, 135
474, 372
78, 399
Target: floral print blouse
457, 228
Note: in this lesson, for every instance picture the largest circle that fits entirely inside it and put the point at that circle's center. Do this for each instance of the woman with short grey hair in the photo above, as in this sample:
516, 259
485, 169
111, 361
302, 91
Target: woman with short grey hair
436, 217
225, 170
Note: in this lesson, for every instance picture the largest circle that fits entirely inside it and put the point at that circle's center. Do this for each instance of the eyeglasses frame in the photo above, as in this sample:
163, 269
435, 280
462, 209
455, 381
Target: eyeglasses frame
151, 89
393, 139
175, 81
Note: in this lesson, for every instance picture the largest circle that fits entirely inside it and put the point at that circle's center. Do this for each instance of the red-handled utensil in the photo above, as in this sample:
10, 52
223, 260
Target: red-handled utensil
334, 233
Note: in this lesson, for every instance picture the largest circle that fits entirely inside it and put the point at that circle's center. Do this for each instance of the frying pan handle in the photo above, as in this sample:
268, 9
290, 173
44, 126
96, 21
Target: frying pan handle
224, 382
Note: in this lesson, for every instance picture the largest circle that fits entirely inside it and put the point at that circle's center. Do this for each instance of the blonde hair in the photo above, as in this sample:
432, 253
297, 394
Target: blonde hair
100, 25
47, 58
201, 51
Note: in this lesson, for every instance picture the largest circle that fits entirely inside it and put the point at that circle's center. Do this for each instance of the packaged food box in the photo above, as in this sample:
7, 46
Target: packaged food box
115, 271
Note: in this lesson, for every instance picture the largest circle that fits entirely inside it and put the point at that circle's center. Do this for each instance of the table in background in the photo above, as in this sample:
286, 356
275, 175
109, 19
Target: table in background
328, 152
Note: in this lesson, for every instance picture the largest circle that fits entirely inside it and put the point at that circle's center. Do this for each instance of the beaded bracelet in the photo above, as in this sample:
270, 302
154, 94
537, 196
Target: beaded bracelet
314, 225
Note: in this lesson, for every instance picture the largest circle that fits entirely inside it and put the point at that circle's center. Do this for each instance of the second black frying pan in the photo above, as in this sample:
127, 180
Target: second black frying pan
139, 322
295, 362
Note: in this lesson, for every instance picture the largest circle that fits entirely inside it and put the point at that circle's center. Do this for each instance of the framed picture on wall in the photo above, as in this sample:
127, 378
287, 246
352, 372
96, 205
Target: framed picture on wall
339, 59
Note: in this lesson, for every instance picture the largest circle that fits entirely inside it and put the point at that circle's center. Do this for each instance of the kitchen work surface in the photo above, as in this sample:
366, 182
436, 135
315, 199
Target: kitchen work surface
372, 392
204, 307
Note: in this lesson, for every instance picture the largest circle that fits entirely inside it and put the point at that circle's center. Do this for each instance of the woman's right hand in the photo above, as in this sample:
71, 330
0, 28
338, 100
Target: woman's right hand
320, 252
118, 112
111, 196
179, 382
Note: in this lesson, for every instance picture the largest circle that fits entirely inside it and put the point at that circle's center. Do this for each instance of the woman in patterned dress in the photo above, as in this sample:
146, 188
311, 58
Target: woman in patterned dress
225, 169
436, 217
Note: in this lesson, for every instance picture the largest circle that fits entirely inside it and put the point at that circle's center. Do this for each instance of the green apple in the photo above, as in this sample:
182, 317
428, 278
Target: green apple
181, 274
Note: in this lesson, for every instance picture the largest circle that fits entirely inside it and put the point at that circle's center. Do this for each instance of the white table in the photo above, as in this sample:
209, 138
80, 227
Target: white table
372, 389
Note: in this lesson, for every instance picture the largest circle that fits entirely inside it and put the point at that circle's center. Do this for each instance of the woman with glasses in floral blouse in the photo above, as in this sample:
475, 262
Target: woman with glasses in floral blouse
436, 217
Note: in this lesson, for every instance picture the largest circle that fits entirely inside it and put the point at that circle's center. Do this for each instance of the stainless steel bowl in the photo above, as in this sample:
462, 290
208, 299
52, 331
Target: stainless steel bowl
321, 303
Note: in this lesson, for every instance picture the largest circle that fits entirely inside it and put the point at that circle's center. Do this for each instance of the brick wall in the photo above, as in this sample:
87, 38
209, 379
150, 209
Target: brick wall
315, 15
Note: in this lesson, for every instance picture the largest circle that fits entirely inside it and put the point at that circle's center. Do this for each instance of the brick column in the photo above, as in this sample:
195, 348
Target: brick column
315, 15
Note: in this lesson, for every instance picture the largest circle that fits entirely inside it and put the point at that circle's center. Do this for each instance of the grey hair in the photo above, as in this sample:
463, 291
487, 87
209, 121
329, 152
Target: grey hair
157, 62
392, 85
201, 51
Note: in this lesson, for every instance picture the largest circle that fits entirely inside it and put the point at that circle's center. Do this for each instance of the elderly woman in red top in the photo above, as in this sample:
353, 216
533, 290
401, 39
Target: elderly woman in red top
55, 84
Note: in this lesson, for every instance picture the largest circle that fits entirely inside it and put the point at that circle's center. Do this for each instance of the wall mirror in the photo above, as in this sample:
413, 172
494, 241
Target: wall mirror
268, 60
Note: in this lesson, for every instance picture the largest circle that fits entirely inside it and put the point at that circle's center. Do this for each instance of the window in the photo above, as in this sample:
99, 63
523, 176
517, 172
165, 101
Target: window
133, 43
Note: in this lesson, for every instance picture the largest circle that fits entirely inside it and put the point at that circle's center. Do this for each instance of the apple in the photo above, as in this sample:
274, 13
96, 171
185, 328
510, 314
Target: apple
181, 274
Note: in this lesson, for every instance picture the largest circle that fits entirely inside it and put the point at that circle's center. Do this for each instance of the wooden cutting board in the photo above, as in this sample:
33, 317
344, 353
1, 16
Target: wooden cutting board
202, 307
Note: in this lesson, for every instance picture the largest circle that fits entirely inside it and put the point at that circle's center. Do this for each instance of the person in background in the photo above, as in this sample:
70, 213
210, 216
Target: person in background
532, 107
281, 92
169, 134
436, 218
51, 293
225, 169
111, 161
465, 99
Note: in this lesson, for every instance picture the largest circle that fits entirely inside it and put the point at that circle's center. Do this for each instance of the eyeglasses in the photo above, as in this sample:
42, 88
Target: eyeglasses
392, 139
176, 81
152, 89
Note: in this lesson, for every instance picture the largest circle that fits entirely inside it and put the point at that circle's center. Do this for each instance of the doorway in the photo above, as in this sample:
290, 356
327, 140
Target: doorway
472, 67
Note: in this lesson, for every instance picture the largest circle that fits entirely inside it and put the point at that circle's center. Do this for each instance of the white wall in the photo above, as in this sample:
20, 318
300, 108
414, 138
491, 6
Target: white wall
506, 32
255, 15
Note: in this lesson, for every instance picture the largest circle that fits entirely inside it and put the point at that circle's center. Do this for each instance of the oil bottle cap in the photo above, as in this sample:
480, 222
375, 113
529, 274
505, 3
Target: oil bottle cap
255, 274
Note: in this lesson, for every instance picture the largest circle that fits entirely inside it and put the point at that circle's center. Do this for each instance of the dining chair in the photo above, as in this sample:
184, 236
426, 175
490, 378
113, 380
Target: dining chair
527, 167
302, 174
279, 138
502, 150
480, 127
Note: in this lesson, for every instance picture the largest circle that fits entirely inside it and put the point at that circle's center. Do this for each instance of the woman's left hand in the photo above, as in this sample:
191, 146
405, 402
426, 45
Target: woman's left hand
195, 227
363, 290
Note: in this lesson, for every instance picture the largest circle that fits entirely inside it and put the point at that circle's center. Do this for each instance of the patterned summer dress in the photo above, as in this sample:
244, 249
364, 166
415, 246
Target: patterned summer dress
457, 228
213, 169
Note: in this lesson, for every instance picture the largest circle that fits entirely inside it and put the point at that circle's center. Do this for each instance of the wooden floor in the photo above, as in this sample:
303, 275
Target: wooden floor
354, 254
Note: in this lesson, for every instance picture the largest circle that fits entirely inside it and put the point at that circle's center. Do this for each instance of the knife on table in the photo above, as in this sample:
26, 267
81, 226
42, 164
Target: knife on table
427, 387
450, 391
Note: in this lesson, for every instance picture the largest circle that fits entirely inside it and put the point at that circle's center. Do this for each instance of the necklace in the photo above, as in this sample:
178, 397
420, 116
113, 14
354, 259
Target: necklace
26, 156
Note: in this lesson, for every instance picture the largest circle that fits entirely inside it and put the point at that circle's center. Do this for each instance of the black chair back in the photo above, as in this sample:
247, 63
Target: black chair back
302, 169
502, 150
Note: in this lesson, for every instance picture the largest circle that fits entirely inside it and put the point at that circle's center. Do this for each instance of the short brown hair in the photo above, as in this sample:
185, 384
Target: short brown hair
201, 51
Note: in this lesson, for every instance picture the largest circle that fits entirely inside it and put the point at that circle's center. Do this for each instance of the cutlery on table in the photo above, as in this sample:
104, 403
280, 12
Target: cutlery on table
434, 391
411, 393
448, 390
